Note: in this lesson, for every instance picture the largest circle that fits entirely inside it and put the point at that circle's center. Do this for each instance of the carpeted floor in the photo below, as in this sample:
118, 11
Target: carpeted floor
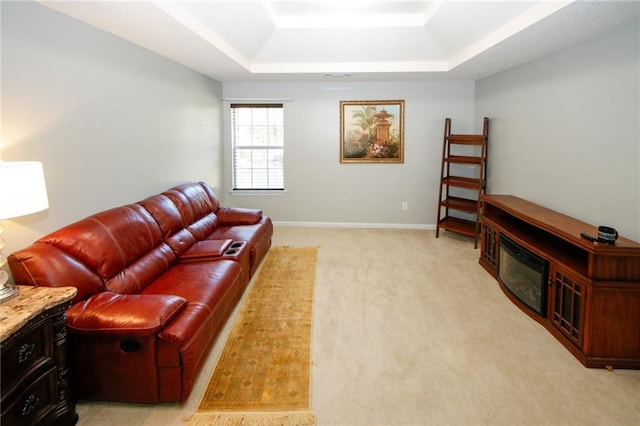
410, 330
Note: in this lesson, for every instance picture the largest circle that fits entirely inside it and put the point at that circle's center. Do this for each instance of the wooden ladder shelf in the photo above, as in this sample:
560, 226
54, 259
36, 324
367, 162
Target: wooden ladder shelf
463, 178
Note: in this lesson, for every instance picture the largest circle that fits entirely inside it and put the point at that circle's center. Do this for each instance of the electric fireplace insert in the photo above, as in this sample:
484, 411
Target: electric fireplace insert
524, 274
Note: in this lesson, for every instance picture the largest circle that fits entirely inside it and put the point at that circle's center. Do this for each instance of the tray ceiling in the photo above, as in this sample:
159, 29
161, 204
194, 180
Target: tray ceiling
312, 40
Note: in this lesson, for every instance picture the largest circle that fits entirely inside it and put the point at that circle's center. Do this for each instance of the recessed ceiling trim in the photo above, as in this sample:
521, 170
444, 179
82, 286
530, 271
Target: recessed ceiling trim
257, 99
530, 17
350, 14
194, 24
348, 68
348, 21
433, 8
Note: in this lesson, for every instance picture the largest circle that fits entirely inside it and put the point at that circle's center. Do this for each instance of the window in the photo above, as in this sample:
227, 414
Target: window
258, 146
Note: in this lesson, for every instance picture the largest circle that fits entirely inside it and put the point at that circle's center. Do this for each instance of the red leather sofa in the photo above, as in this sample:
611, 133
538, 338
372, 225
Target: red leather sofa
156, 282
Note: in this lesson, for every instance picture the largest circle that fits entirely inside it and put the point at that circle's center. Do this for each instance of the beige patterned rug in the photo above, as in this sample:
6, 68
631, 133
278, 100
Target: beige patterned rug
262, 376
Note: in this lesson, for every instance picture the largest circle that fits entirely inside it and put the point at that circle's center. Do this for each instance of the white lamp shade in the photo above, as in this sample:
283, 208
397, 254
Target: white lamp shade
22, 188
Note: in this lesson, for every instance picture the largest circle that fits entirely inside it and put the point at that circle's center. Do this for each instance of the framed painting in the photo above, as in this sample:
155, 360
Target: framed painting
372, 131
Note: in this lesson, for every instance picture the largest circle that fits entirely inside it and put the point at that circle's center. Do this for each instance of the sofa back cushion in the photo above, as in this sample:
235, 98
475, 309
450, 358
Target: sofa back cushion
166, 214
123, 246
196, 208
213, 198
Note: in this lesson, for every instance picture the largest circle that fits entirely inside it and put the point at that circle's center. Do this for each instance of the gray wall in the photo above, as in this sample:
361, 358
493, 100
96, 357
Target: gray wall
565, 130
111, 122
321, 189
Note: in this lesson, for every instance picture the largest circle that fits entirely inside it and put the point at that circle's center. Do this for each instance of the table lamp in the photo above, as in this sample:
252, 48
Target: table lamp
22, 192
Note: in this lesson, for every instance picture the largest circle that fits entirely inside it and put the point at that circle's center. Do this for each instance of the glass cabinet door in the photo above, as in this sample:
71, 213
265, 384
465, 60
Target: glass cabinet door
567, 304
489, 246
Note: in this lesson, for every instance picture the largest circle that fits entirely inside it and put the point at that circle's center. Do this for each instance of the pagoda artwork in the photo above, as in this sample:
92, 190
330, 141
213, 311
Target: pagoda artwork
372, 131
382, 127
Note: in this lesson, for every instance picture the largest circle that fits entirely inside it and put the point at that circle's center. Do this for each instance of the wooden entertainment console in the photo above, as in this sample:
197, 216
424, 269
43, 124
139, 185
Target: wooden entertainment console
593, 294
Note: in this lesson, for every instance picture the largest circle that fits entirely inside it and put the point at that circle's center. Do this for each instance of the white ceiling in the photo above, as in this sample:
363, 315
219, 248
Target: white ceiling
307, 40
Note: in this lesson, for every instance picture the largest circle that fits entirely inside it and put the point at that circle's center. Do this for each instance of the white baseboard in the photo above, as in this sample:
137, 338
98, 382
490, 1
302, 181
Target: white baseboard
354, 225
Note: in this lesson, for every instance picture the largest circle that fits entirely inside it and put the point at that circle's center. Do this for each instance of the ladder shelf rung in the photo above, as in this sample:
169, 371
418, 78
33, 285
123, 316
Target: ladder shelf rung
466, 139
464, 182
461, 204
464, 159
459, 226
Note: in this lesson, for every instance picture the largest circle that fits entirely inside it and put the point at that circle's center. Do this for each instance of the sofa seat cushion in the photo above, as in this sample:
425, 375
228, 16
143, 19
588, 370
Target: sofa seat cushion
123, 315
204, 283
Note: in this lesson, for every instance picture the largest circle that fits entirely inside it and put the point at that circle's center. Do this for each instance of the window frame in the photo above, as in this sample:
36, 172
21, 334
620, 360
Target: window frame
235, 189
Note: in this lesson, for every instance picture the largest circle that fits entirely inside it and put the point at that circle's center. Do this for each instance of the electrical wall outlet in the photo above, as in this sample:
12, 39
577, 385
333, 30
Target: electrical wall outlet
405, 205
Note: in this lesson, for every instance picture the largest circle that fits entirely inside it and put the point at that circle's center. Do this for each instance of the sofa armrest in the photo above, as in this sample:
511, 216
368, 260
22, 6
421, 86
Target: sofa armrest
124, 315
206, 249
229, 216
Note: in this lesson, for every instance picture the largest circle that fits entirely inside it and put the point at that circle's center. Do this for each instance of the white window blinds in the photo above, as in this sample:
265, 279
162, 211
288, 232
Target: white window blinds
258, 146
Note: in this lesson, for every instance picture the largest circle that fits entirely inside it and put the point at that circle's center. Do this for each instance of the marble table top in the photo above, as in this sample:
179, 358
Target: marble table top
30, 302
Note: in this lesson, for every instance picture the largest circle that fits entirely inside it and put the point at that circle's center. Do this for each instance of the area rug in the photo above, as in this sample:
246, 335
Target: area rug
262, 376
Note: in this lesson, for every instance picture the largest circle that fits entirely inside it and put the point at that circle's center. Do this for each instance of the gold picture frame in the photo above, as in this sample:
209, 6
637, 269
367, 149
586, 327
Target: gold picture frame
372, 131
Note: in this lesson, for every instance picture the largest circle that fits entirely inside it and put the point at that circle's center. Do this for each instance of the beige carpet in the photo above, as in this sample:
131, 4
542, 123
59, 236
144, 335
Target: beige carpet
410, 330
262, 376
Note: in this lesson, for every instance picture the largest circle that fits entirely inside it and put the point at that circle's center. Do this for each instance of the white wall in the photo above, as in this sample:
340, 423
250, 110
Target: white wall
111, 122
565, 130
321, 189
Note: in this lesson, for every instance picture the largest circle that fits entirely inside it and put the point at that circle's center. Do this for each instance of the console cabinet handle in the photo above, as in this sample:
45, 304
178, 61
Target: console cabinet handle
25, 352
29, 405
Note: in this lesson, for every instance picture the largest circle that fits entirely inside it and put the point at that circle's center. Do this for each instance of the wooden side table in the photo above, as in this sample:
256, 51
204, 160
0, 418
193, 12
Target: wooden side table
35, 377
